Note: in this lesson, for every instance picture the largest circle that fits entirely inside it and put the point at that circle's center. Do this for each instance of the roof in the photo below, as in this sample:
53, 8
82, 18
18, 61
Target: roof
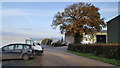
114, 18
103, 31
18, 44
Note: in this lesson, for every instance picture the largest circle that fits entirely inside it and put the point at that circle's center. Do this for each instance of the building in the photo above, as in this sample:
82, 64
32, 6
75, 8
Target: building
100, 37
113, 30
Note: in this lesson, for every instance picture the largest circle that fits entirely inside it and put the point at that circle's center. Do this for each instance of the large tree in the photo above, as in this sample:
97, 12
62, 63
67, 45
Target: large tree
78, 19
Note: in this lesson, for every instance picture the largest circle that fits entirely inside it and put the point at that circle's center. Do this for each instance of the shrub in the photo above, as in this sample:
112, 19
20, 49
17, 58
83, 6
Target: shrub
58, 43
46, 41
104, 50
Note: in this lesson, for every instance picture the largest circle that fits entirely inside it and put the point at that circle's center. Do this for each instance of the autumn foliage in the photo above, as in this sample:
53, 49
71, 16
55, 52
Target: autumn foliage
78, 19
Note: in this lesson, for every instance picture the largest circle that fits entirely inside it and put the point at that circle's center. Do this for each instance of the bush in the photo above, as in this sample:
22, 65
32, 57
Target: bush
58, 43
46, 41
107, 51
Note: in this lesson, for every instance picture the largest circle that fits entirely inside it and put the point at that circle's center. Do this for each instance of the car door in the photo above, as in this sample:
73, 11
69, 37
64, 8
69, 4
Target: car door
7, 52
18, 50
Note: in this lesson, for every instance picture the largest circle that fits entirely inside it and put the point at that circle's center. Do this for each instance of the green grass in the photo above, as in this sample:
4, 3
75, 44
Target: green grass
111, 61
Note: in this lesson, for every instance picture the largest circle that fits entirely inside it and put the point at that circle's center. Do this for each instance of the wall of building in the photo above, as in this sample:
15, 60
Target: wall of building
102, 34
119, 29
69, 38
113, 30
86, 38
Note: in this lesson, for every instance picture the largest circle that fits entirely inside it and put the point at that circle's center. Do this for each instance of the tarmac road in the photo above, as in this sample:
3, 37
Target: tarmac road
55, 57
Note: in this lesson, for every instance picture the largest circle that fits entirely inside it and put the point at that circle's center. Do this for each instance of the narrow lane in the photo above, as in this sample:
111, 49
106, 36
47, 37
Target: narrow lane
56, 57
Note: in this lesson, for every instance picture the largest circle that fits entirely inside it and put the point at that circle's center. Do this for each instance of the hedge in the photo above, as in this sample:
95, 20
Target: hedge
107, 50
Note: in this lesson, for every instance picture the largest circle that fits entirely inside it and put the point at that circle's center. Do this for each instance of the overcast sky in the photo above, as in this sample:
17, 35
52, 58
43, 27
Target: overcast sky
34, 19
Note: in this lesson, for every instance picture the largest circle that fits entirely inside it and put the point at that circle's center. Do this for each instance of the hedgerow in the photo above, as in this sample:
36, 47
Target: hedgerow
104, 50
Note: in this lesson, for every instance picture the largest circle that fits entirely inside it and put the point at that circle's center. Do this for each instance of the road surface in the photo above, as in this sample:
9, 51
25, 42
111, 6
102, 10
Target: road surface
55, 57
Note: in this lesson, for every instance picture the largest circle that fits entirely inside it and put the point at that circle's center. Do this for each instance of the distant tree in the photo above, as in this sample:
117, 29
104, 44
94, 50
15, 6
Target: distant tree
47, 41
78, 19
59, 41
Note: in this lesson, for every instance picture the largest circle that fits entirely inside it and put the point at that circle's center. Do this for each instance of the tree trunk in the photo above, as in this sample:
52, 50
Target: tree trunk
78, 38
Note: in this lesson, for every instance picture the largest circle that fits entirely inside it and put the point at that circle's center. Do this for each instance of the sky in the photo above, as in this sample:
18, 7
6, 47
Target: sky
34, 19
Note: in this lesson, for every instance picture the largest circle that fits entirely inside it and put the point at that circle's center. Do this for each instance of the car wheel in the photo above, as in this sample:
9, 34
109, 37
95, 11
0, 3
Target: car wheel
25, 57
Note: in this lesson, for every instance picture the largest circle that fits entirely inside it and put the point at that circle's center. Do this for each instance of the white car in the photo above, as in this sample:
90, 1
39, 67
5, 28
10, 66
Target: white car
38, 48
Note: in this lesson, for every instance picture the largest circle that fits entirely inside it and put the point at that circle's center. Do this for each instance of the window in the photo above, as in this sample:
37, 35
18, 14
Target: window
18, 46
11, 47
28, 41
26, 47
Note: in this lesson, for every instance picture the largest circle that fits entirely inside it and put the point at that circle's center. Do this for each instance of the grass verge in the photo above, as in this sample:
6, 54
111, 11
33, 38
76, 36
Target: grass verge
99, 58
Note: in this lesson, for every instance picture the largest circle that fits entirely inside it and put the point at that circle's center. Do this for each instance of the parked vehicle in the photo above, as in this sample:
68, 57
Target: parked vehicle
14, 51
38, 48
